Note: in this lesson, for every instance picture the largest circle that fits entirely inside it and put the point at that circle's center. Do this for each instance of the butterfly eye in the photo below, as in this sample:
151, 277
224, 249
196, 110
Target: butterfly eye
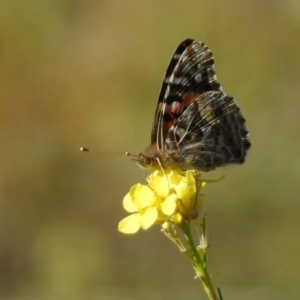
147, 160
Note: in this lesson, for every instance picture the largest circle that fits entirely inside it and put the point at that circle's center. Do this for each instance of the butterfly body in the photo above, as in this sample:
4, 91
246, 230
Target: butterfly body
196, 125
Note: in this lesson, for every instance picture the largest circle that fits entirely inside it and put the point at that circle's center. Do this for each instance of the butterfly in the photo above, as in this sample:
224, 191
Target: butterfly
197, 126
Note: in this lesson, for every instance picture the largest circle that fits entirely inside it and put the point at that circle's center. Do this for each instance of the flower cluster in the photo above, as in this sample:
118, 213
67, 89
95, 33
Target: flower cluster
168, 196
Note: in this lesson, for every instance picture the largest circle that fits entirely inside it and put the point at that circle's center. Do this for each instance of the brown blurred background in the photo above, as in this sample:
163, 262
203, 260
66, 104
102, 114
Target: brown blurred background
87, 73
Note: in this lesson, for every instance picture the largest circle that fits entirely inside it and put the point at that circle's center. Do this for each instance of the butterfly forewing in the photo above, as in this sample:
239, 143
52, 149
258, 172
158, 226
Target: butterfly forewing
161, 126
190, 73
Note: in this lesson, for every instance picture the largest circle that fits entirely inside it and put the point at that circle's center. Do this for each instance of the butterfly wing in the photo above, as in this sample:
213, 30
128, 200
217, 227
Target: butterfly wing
197, 125
190, 73
211, 132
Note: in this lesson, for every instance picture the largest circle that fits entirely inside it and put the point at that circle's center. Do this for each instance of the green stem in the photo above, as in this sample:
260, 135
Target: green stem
199, 265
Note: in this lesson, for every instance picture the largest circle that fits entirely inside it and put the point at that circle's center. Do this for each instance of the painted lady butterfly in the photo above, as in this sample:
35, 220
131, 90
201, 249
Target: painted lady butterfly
196, 125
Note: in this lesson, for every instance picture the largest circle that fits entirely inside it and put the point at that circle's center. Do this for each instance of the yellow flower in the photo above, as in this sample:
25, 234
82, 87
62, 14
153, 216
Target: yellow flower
167, 195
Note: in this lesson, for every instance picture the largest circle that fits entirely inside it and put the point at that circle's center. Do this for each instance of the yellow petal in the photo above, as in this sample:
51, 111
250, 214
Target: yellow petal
142, 196
148, 218
129, 224
128, 204
185, 189
175, 178
177, 218
169, 205
159, 183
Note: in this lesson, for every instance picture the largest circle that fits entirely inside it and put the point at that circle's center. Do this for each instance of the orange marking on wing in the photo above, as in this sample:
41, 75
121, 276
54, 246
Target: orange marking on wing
173, 111
188, 98
167, 126
176, 108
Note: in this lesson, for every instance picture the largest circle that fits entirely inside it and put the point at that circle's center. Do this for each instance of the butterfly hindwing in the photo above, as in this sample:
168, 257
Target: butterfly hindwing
210, 132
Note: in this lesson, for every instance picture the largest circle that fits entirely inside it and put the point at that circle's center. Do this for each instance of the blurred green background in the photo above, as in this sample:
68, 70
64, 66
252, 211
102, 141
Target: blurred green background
87, 73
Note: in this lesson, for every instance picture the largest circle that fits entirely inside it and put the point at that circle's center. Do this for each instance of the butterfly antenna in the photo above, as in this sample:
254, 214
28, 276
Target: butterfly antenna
131, 154
84, 149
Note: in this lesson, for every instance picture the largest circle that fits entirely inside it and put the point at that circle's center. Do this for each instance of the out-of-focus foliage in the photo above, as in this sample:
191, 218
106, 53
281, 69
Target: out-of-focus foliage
87, 73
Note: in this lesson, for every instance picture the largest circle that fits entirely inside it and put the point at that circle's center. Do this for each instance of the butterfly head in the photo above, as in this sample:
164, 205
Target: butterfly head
148, 160
144, 162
